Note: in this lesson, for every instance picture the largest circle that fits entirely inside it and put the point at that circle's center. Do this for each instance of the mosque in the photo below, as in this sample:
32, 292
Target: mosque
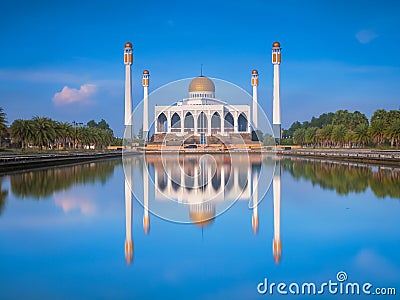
202, 118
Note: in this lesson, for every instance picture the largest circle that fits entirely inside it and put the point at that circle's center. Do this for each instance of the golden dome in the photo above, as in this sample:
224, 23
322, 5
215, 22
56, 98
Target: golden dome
146, 72
202, 218
254, 72
201, 84
128, 45
276, 44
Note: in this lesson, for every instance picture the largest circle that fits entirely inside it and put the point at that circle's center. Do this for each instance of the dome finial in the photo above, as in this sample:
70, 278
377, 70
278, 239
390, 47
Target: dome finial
201, 69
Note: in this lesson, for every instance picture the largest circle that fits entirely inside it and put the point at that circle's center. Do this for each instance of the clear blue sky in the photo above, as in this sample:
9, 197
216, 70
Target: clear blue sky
336, 54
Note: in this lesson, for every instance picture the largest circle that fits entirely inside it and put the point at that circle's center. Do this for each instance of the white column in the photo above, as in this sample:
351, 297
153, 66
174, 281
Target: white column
145, 112
222, 122
128, 95
276, 117
169, 121
235, 121
182, 123
209, 123
195, 122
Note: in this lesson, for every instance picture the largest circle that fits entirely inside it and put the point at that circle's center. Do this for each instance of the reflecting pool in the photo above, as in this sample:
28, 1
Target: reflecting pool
200, 227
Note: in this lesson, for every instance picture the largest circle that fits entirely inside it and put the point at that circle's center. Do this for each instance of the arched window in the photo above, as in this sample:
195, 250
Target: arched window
242, 123
162, 123
228, 122
215, 122
188, 122
175, 122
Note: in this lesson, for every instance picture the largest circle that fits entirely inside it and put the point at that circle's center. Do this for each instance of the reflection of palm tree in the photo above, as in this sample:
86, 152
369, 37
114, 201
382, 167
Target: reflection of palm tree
3, 196
43, 183
344, 178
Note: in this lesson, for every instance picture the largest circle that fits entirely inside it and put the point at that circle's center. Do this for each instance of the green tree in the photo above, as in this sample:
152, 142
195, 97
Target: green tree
377, 130
44, 131
64, 133
339, 134
326, 134
299, 136
3, 123
361, 134
392, 132
310, 136
22, 131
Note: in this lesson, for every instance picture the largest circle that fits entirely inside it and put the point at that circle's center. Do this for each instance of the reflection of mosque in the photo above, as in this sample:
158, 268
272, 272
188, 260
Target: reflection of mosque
234, 177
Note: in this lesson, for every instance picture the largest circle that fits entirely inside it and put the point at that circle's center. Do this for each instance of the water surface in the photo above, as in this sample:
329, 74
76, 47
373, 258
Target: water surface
73, 233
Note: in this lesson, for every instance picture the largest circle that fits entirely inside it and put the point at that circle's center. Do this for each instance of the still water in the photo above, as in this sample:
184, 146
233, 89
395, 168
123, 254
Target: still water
78, 232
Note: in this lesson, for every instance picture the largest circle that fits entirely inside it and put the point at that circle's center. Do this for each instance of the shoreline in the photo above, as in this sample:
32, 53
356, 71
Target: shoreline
387, 157
16, 162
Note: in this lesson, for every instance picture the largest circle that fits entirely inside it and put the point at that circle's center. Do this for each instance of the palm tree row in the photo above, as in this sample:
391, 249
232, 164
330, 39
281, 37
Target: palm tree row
350, 130
45, 133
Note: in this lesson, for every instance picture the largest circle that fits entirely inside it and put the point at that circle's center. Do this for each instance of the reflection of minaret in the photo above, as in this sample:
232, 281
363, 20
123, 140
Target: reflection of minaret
128, 215
276, 114
277, 245
254, 219
146, 218
145, 83
254, 83
128, 58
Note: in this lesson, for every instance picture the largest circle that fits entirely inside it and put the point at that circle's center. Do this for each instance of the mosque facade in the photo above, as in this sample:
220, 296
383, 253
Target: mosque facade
202, 113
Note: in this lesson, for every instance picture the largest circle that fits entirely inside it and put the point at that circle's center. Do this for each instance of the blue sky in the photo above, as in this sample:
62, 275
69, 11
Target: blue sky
336, 55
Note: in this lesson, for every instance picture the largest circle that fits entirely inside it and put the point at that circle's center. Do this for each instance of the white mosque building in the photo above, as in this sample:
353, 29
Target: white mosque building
202, 113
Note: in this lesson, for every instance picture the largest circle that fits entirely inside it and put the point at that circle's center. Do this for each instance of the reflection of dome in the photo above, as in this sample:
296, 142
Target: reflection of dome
128, 45
276, 44
202, 218
201, 84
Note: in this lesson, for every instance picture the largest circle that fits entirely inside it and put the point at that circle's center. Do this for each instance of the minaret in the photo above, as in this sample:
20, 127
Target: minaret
276, 114
277, 245
146, 218
145, 83
128, 222
254, 83
128, 58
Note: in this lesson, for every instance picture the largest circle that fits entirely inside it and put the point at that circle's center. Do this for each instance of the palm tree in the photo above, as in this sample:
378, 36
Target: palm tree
44, 131
377, 129
339, 134
361, 134
64, 133
299, 136
310, 135
3, 123
392, 132
22, 131
326, 134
